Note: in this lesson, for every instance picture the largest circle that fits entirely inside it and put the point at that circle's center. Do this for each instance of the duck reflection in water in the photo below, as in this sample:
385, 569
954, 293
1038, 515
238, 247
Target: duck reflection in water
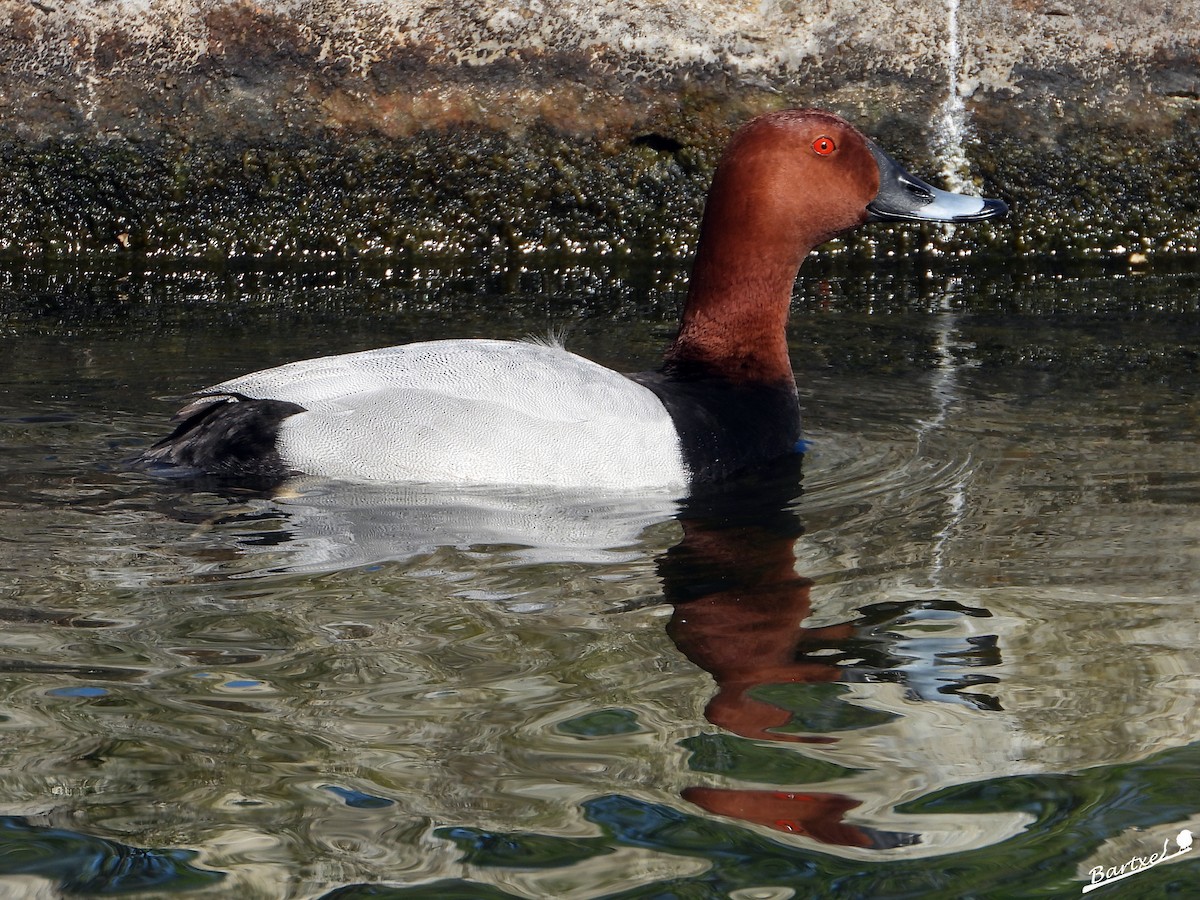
738, 607
737, 601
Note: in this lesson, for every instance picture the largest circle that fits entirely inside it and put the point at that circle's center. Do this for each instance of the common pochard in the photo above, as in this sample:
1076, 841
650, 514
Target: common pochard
524, 413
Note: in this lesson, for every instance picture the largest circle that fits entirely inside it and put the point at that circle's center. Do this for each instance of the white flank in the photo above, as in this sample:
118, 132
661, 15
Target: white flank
471, 412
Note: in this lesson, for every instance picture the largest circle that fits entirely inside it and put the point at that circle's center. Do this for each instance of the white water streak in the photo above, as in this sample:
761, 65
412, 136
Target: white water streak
945, 388
952, 131
952, 126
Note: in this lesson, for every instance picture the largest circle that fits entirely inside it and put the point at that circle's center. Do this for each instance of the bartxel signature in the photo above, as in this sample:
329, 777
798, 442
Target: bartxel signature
1102, 876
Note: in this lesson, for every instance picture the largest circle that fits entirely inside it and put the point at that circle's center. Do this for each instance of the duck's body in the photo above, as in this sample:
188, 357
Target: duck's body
462, 411
480, 411
502, 412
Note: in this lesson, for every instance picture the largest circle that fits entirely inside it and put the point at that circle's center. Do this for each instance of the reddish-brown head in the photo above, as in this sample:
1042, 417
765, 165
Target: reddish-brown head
793, 179
788, 181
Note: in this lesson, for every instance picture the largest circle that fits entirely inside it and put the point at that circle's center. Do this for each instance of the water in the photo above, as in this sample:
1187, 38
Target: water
952, 127
953, 655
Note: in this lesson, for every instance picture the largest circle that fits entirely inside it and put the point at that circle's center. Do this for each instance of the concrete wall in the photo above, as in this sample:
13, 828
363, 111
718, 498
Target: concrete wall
208, 127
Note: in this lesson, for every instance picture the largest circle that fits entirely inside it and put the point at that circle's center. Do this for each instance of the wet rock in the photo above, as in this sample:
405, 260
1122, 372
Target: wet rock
205, 128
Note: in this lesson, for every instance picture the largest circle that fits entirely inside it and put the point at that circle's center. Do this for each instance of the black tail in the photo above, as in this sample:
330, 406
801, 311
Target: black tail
227, 435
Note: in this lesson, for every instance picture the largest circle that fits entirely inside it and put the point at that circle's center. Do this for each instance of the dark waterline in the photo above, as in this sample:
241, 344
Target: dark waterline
954, 656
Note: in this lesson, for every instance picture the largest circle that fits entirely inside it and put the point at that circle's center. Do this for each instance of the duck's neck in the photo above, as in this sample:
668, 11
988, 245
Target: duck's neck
735, 320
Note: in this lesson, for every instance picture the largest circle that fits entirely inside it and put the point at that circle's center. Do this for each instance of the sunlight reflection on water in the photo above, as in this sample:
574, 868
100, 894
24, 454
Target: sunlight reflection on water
966, 631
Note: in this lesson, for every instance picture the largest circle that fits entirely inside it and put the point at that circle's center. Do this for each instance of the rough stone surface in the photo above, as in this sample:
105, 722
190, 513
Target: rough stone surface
205, 128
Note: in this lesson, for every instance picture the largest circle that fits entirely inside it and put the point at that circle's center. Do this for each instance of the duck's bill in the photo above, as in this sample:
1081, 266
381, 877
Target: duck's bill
905, 198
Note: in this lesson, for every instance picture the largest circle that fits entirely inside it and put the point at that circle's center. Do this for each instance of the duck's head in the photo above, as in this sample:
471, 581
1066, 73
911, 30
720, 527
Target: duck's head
788, 181
807, 175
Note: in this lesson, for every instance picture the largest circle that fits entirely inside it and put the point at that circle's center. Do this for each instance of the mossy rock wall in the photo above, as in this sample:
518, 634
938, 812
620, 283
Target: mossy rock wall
209, 129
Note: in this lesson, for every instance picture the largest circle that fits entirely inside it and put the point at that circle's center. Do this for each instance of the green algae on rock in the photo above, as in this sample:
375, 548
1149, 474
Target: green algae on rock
192, 129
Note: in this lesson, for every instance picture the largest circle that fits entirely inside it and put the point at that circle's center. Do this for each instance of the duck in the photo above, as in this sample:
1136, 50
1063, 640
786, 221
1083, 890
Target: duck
525, 413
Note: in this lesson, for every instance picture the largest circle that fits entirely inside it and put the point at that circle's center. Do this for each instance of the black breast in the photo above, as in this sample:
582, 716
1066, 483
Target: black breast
727, 427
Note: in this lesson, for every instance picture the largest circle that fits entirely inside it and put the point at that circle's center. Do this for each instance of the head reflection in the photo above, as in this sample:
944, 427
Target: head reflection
738, 605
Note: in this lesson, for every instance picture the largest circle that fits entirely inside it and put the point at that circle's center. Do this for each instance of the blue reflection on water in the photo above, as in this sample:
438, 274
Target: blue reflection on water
357, 799
1073, 816
78, 692
81, 864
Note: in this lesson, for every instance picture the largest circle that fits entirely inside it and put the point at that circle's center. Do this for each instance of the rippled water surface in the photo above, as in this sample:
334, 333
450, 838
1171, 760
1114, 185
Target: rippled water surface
950, 653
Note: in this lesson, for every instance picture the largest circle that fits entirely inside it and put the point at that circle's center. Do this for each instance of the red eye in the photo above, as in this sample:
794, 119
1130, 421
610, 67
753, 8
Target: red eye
824, 145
